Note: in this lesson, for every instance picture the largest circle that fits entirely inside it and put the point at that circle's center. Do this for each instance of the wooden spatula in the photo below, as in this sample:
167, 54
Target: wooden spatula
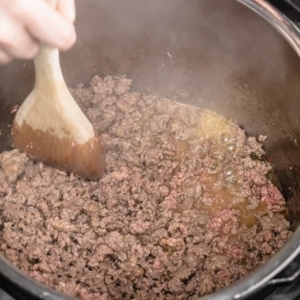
51, 127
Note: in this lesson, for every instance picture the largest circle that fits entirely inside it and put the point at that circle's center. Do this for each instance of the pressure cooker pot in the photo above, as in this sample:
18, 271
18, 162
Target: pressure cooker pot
237, 58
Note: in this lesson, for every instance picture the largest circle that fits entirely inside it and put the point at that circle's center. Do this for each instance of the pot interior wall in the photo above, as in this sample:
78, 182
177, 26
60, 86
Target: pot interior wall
209, 53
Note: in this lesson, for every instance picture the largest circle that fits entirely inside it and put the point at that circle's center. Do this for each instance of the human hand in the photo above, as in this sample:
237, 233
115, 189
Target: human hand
26, 23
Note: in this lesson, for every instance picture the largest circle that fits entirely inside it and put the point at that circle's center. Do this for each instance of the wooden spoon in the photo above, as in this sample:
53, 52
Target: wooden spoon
50, 127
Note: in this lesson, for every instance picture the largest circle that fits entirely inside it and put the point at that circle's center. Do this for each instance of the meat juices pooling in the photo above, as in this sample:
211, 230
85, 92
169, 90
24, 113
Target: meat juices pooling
183, 209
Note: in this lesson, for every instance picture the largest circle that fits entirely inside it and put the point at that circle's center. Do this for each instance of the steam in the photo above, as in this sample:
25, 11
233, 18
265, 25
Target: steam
209, 53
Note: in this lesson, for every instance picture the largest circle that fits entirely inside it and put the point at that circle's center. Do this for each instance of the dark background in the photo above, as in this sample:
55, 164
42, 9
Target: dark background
291, 8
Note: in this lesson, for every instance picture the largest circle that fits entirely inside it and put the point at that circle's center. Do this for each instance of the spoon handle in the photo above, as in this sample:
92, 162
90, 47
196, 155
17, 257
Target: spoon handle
47, 64
47, 68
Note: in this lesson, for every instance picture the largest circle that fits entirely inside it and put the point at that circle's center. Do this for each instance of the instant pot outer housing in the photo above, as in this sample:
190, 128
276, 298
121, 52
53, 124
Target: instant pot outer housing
238, 60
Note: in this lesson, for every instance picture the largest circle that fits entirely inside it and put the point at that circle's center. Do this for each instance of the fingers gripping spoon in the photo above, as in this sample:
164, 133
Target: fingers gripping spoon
50, 127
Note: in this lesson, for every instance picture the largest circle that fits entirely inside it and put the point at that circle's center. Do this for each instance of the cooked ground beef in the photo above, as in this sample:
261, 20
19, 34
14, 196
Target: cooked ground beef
183, 210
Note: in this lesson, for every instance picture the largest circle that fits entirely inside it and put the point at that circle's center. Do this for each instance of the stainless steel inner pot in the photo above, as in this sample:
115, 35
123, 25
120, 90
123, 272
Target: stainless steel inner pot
213, 54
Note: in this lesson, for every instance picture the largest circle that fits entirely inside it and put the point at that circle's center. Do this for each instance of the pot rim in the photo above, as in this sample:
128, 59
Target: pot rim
287, 29
16, 282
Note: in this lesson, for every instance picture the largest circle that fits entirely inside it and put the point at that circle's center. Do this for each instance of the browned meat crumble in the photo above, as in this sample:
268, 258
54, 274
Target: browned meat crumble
182, 211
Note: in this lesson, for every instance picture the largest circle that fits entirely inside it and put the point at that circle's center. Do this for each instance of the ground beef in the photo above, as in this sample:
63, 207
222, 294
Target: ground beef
184, 208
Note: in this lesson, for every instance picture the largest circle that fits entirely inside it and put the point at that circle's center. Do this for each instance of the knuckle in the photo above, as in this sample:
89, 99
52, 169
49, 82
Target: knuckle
17, 8
69, 39
8, 26
67, 9
30, 52
5, 38
5, 59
